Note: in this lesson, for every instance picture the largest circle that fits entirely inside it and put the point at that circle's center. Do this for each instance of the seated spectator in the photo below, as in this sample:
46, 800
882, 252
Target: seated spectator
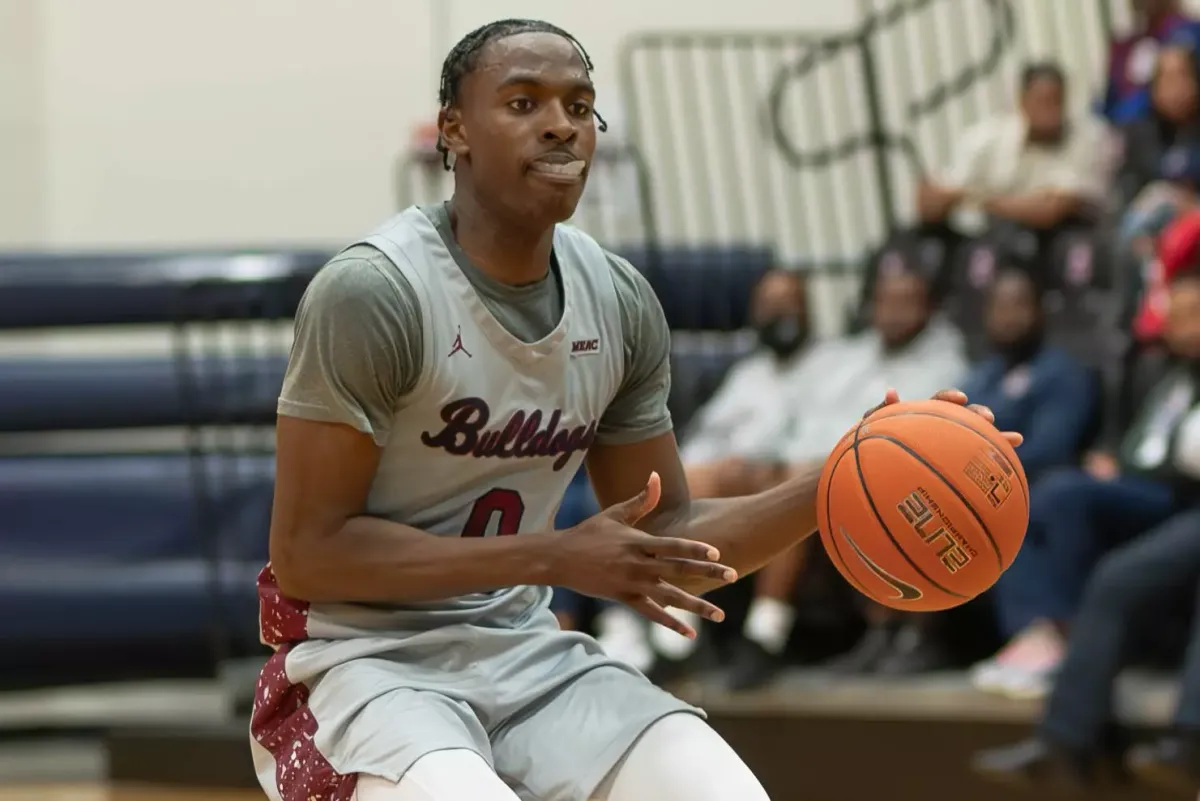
1032, 171
1131, 59
1077, 736
718, 450
1171, 121
907, 348
1160, 202
1031, 387
1078, 514
1178, 251
714, 449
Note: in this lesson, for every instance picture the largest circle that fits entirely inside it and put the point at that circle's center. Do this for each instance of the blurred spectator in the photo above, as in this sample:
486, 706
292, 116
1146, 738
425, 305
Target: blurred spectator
720, 452
1032, 170
1033, 388
1178, 251
714, 450
1077, 514
1131, 60
1130, 587
909, 348
1171, 121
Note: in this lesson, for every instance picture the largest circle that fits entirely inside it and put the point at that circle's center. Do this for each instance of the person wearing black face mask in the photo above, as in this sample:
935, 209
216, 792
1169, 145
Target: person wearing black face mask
1032, 387
719, 453
783, 333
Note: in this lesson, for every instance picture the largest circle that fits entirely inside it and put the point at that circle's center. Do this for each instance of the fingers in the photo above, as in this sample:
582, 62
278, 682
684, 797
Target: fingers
691, 568
640, 505
655, 613
952, 396
1013, 438
983, 412
889, 397
666, 595
673, 548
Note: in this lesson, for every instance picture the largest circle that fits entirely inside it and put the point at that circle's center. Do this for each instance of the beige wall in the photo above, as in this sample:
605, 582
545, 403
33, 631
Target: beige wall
22, 120
174, 122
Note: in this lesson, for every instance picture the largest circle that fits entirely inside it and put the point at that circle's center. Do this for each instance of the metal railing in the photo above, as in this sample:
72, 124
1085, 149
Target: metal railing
813, 143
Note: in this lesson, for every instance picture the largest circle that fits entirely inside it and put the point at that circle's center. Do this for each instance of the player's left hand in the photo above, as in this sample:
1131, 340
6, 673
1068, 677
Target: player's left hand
953, 396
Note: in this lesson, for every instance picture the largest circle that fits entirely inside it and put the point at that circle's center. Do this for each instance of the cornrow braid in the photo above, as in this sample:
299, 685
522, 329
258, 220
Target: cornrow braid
462, 57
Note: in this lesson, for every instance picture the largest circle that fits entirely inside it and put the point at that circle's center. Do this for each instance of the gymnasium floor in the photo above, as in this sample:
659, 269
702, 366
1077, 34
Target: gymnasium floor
61, 764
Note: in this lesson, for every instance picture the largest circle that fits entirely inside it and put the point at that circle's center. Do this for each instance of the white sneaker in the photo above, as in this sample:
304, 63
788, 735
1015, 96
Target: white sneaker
988, 676
622, 635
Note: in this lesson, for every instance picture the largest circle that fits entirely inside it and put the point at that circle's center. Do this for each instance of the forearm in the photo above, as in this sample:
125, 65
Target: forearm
749, 531
372, 560
1041, 210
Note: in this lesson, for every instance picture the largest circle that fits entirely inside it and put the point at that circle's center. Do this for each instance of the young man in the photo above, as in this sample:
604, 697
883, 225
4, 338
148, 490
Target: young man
450, 373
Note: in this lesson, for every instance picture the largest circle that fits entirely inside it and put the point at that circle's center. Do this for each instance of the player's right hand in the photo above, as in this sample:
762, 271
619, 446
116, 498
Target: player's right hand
606, 557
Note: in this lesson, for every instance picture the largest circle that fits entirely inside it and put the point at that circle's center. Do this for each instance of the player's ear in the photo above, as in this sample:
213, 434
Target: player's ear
450, 126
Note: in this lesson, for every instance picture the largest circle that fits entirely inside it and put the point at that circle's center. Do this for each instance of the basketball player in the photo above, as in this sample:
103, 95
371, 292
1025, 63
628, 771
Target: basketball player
450, 373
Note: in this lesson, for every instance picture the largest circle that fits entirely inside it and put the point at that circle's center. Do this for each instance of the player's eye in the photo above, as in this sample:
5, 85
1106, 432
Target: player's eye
521, 105
581, 108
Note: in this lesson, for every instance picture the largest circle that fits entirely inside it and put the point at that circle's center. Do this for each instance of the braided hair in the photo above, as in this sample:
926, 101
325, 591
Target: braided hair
461, 60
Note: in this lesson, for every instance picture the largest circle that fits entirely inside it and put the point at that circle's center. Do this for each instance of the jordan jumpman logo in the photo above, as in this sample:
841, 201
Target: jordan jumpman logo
458, 346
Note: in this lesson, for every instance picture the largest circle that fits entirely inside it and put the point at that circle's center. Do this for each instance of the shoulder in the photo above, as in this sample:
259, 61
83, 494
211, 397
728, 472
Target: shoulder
631, 285
361, 275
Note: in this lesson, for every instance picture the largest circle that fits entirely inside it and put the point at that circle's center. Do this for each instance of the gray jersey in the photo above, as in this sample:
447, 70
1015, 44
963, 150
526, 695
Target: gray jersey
483, 397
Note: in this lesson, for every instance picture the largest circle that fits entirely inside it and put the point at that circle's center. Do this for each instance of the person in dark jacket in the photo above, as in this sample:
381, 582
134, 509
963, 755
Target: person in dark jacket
1131, 58
1131, 586
1173, 119
1078, 514
1031, 387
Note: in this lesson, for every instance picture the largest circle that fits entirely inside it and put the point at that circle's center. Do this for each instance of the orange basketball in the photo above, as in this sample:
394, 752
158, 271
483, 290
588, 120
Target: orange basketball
922, 506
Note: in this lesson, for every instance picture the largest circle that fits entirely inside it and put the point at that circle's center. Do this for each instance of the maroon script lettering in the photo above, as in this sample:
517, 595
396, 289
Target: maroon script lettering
525, 435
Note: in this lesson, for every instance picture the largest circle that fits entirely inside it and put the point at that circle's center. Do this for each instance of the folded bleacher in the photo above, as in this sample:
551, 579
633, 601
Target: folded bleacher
136, 482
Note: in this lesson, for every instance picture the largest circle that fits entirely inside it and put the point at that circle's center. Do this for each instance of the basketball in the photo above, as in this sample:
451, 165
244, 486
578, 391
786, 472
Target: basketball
922, 506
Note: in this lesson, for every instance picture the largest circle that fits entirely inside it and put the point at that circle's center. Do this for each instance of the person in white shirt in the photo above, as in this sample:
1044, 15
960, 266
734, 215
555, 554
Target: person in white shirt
1035, 168
747, 404
909, 348
728, 449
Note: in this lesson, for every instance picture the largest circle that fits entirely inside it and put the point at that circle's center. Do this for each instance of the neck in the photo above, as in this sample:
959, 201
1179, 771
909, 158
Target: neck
508, 253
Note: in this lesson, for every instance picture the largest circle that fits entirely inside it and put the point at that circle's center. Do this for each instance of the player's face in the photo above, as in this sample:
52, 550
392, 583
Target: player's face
1042, 103
1012, 312
900, 309
779, 311
527, 130
1174, 90
1183, 319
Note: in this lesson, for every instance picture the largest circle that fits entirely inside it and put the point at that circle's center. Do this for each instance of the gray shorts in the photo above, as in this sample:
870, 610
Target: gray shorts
547, 709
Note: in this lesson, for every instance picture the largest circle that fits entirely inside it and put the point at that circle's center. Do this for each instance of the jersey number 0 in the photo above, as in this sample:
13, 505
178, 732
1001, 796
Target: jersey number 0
503, 502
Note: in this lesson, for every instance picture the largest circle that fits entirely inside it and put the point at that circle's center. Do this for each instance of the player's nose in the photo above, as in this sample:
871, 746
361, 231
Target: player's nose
558, 125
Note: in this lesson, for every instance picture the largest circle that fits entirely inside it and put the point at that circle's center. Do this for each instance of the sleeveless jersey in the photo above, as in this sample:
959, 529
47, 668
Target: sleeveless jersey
490, 437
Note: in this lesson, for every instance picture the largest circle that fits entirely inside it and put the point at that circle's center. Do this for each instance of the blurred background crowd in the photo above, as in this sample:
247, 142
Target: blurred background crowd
998, 196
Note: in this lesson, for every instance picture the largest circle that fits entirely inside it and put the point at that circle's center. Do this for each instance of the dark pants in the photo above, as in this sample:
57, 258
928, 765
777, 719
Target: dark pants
1130, 586
1073, 520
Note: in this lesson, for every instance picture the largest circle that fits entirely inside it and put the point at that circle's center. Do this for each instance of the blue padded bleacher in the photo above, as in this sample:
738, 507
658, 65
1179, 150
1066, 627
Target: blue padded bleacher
38, 291
698, 366
109, 547
704, 288
129, 547
109, 393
